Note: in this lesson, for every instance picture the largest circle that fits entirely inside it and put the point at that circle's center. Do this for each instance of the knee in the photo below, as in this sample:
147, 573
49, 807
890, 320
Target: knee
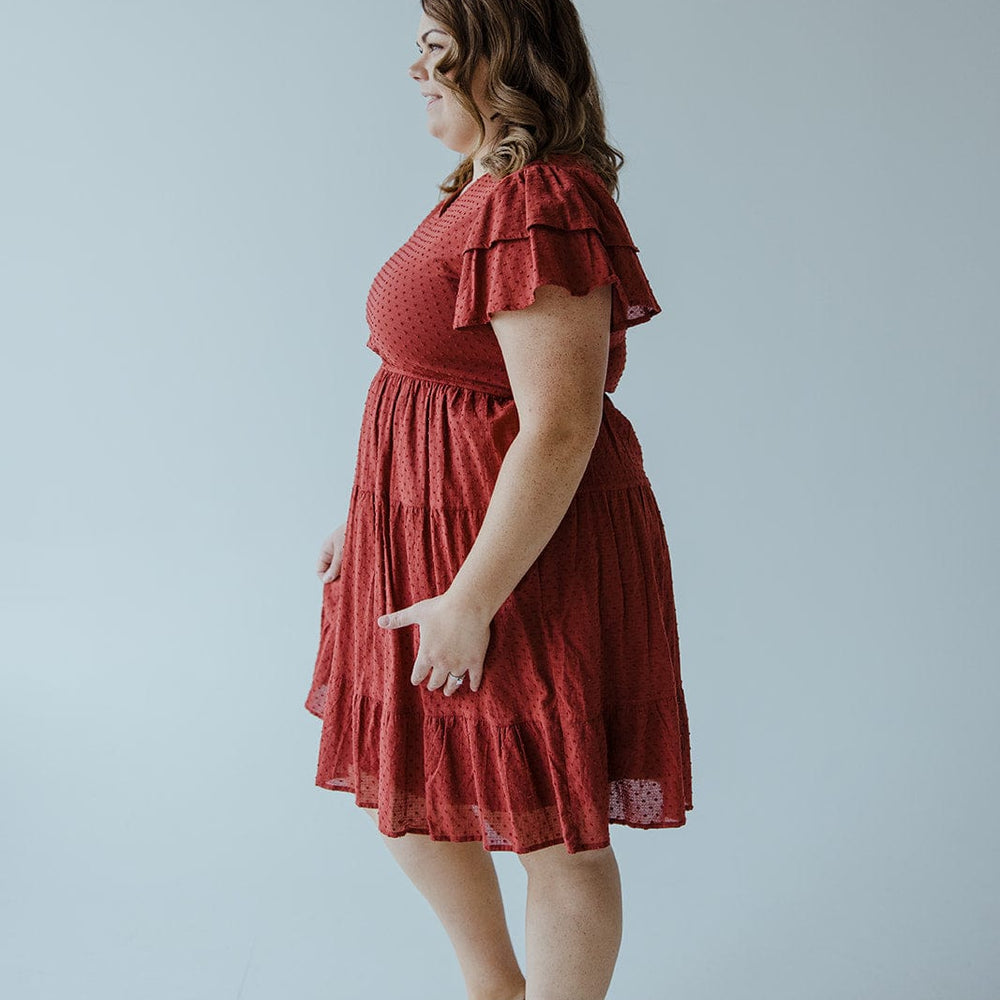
556, 860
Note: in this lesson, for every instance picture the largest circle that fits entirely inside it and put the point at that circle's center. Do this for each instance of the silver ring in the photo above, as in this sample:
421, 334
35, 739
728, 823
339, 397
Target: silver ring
457, 677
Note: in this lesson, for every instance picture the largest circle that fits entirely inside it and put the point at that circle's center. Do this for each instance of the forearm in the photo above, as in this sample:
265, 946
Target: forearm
537, 480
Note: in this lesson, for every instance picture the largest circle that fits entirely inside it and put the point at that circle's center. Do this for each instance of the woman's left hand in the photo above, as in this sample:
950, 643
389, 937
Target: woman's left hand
453, 639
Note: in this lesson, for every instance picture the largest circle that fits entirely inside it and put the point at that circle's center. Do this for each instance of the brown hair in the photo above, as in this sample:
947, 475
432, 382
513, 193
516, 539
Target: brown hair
540, 77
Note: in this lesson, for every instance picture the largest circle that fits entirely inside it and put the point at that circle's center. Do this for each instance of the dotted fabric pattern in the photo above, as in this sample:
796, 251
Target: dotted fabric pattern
580, 721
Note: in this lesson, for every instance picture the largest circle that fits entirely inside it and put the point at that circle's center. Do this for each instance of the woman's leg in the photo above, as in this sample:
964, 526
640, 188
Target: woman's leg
573, 922
460, 883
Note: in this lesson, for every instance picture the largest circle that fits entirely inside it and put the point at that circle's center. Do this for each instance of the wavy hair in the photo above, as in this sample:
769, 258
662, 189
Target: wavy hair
540, 78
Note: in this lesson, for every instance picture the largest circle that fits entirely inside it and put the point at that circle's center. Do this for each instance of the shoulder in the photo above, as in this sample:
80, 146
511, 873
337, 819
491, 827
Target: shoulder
551, 223
558, 167
559, 179
563, 193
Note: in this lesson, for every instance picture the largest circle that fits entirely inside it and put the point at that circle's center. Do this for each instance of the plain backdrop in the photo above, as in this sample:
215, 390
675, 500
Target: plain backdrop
194, 199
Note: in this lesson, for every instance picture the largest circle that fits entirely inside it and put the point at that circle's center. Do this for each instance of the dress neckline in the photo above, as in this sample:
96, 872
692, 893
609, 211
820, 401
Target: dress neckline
456, 196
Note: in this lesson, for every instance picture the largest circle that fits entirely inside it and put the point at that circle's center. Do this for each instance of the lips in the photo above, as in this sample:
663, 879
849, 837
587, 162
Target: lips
432, 99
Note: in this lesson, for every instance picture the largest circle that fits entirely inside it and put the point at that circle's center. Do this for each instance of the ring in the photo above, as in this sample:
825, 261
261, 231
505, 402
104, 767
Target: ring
457, 677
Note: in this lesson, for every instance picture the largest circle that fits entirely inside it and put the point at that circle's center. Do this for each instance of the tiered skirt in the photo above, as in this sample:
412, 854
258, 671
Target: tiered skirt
580, 721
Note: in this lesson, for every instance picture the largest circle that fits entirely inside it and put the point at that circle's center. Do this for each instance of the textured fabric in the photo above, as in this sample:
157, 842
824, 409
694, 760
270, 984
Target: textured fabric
580, 720
550, 227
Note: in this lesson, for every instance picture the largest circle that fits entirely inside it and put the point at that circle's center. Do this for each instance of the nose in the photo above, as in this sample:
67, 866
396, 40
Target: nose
417, 71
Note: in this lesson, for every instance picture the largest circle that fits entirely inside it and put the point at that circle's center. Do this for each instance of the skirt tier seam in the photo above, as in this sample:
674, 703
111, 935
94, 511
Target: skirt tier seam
492, 391
394, 504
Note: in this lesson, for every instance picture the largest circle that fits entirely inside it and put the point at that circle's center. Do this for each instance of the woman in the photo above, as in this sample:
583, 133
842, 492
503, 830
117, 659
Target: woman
500, 506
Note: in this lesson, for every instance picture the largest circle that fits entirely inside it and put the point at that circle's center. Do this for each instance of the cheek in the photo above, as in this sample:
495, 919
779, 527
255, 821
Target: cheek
455, 112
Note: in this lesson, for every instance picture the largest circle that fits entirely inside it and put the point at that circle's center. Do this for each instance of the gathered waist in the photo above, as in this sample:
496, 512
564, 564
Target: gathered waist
425, 441
464, 384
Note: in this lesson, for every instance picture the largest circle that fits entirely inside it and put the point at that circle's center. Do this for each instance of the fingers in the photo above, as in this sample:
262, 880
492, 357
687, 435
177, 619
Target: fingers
331, 555
442, 677
449, 681
397, 619
333, 570
405, 616
453, 683
324, 559
433, 662
421, 668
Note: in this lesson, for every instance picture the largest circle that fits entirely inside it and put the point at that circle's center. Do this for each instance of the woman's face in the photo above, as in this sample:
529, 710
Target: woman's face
446, 119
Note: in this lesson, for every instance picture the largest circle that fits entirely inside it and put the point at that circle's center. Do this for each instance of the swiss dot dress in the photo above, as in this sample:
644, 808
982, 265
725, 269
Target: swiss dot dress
580, 720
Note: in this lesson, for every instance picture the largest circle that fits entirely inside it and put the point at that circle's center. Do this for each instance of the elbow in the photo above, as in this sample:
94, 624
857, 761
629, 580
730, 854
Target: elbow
566, 437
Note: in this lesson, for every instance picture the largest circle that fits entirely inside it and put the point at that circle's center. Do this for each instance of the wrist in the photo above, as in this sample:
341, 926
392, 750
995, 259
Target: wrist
466, 601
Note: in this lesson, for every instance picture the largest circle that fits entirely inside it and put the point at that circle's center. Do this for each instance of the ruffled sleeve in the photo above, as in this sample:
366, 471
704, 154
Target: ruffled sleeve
550, 224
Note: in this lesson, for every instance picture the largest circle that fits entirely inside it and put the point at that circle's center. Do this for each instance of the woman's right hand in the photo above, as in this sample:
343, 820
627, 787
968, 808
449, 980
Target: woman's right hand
331, 556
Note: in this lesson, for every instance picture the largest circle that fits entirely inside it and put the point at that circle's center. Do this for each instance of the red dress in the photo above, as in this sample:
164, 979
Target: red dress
580, 720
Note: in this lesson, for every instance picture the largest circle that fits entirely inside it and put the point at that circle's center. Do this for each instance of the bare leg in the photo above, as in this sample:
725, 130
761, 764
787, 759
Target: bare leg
460, 882
573, 922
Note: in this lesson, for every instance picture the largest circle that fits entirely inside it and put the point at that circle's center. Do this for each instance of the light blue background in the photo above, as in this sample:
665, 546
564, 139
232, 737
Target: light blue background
194, 198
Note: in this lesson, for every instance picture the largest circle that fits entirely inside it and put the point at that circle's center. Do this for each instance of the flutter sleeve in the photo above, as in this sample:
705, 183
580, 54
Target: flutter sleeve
550, 224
